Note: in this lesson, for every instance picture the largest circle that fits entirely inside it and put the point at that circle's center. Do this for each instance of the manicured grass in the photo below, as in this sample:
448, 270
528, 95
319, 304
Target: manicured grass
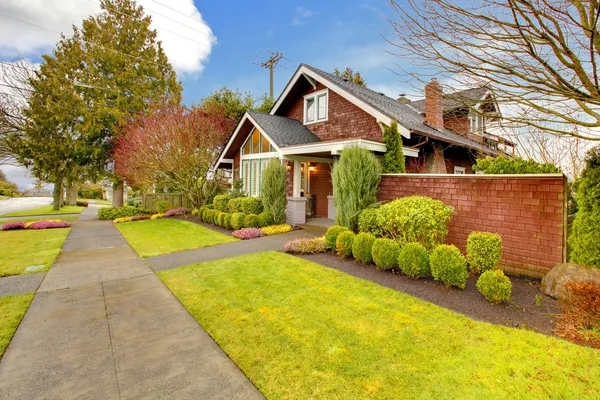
299, 330
45, 210
12, 311
162, 236
24, 248
98, 201
33, 219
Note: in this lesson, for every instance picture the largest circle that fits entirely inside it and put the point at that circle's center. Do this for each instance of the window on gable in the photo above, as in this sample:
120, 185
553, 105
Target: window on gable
257, 143
315, 107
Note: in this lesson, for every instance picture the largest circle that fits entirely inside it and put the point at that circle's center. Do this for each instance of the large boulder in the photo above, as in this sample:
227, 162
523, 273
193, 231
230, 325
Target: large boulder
555, 280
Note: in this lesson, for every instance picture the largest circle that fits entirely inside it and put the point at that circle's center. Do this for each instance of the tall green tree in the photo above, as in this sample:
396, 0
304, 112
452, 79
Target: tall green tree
237, 103
352, 76
393, 159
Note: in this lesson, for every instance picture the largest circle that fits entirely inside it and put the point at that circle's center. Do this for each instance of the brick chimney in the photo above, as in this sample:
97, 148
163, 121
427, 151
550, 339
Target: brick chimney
434, 112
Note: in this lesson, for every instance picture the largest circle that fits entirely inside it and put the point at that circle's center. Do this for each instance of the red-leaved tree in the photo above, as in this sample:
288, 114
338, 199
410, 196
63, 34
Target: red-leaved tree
174, 146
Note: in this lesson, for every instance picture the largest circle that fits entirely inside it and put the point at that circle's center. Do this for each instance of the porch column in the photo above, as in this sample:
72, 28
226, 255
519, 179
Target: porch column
330, 208
296, 205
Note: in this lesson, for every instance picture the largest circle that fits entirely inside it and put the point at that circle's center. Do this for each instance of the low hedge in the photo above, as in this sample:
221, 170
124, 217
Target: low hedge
227, 221
449, 266
235, 205
344, 242
385, 253
220, 202
252, 205
81, 203
494, 286
413, 260
251, 221
362, 247
221, 219
112, 213
332, 234
484, 250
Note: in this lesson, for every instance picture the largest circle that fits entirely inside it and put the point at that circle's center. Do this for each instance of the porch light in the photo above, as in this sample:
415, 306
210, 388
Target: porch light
311, 168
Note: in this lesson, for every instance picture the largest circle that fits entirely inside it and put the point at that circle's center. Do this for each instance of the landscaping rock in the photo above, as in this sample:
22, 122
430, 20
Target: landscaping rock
555, 280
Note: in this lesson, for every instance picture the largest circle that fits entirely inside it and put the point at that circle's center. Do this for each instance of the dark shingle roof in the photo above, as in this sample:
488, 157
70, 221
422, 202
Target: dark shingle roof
284, 131
404, 114
453, 101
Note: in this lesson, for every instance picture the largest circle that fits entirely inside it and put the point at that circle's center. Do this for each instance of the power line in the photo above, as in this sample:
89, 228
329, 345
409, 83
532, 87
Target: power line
270, 64
172, 9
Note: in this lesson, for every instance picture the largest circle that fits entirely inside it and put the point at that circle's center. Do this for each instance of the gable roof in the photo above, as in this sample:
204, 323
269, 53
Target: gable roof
283, 131
456, 100
404, 114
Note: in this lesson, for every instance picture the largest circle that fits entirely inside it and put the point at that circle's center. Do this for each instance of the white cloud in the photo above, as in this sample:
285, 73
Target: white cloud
301, 15
21, 40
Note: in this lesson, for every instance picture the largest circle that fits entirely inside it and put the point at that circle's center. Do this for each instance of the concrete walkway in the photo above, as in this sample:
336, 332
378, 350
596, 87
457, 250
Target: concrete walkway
103, 326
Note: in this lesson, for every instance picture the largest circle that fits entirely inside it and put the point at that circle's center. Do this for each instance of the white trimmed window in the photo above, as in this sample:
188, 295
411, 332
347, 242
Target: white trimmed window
252, 170
316, 107
460, 170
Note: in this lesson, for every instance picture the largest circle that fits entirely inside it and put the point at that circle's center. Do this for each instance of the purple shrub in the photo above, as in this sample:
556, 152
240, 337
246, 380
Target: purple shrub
177, 211
139, 218
248, 233
13, 226
48, 225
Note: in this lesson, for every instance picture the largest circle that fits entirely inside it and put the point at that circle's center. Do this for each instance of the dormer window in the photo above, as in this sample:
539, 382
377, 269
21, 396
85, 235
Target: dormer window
477, 123
315, 107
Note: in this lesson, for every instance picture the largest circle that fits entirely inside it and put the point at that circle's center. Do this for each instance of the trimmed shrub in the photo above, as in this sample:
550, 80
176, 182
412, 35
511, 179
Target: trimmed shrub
343, 243
367, 221
215, 217
449, 266
385, 253
221, 219
585, 239
252, 205
227, 221
355, 177
415, 219
273, 190
413, 260
494, 286
111, 213
81, 203
265, 219
235, 205
306, 246
362, 247
177, 211
220, 202
195, 212
277, 229
251, 221
237, 221
513, 165
484, 250
248, 233
332, 234
13, 226
210, 206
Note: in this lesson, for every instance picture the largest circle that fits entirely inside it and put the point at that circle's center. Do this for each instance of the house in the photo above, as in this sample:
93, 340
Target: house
318, 114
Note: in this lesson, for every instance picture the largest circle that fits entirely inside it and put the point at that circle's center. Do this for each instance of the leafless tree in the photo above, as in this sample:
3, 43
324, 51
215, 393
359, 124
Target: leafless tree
540, 56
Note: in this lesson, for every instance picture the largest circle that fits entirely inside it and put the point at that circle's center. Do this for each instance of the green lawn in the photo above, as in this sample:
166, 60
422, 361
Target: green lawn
98, 201
12, 311
24, 248
33, 219
299, 330
45, 210
162, 236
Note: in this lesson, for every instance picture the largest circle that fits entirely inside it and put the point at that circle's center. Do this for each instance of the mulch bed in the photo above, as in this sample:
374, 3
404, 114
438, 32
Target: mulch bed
521, 312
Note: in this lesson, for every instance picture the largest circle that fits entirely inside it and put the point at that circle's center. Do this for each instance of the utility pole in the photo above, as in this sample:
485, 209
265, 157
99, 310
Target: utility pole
270, 64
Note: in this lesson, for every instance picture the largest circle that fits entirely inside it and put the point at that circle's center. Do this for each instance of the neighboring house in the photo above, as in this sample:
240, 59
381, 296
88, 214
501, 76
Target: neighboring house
318, 114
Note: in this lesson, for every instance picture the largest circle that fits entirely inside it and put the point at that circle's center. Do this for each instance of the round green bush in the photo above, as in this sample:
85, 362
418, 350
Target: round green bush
332, 234
362, 247
237, 221
367, 221
235, 205
385, 253
484, 250
215, 215
343, 243
220, 201
227, 221
494, 286
221, 219
251, 221
413, 260
252, 205
449, 266
265, 219
415, 219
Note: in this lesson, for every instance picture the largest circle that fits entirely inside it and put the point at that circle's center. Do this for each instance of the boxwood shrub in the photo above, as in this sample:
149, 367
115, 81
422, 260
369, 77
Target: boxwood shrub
415, 219
237, 221
227, 221
220, 201
367, 221
449, 266
385, 253
343, 243
252, 205
251, 221
110, 213
494, 286
332, 234
221, 219
413, 260
484, 250
362, 247
235, 205
265, 218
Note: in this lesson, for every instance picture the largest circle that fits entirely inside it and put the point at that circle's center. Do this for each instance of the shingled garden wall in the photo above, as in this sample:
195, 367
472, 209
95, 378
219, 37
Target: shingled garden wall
528, 211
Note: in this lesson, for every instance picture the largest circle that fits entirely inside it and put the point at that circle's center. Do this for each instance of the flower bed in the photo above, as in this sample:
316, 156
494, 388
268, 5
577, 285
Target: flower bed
43, 224
248, 233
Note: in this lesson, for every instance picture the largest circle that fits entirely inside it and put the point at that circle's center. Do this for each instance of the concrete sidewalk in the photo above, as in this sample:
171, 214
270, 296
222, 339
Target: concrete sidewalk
103, 326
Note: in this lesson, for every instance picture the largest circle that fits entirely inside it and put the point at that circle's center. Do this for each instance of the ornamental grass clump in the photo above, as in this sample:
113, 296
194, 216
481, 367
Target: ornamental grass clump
385, 253
273, 190
248, 233
306, 246
449, 266
413, 260
362, 247
355, 177
494, 286
237, 221
277, 229
484, 250
332, 234
367, 221
343, 243
415, 219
